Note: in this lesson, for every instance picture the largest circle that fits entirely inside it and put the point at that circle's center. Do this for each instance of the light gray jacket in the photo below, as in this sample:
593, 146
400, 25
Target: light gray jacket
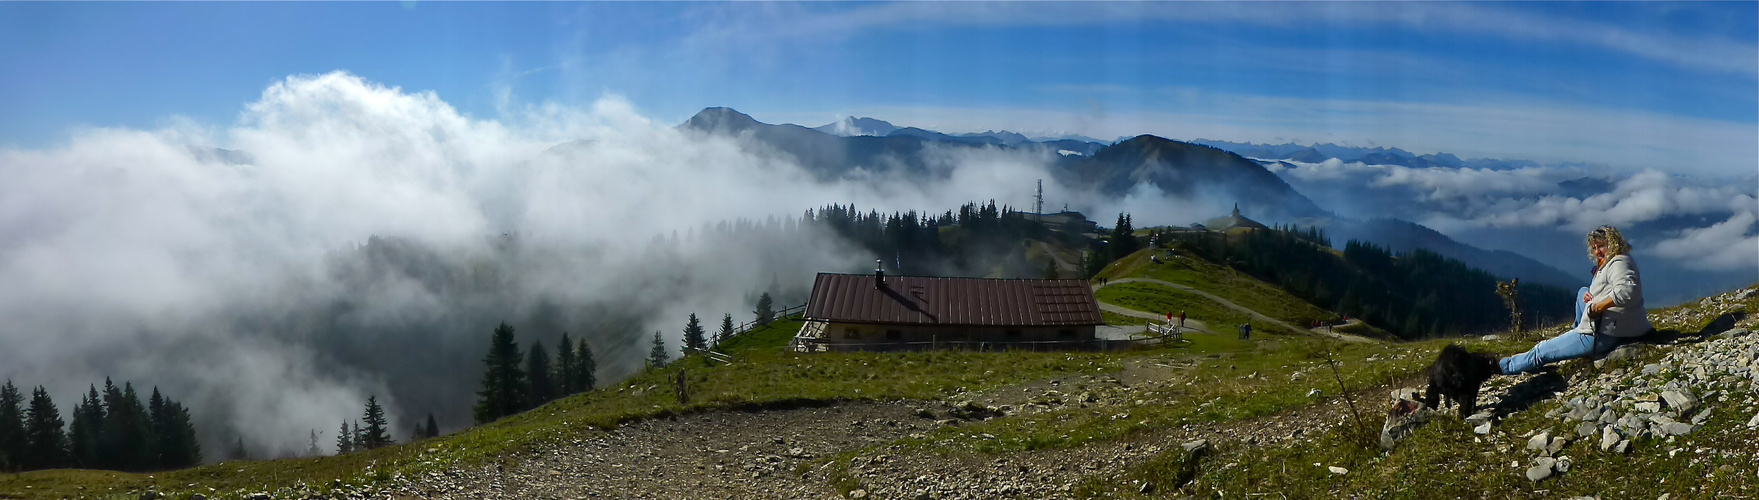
1617, 279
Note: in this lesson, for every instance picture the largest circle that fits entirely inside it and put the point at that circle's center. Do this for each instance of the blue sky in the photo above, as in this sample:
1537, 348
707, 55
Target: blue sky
1672, 86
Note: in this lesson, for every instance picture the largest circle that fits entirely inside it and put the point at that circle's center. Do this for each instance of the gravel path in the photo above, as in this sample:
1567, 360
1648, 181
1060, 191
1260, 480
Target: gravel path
770, 454
1255, 314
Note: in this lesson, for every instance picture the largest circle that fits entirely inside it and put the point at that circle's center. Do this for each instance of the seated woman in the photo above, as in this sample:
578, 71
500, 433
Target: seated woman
1609, 312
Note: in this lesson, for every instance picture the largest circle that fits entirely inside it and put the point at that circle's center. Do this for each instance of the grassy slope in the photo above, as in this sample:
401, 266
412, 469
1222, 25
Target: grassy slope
1229, 381
1445, 459
1157, 299
1219, 280
763, 374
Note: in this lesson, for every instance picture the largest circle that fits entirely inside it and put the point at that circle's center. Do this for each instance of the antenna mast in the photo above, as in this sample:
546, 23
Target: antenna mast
1038, 206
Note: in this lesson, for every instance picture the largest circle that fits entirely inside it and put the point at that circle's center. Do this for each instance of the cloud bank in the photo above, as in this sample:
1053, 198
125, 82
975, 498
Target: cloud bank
359, 239
1697, 223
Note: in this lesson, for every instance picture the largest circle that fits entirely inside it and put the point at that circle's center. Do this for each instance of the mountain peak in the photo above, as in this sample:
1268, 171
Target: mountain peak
853, 126
720, 119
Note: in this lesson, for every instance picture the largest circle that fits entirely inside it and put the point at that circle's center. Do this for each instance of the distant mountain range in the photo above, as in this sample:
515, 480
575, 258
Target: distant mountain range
1316, 153
1182, 169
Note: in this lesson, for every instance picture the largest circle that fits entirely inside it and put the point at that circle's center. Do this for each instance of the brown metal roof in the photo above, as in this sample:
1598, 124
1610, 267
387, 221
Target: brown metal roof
853, 298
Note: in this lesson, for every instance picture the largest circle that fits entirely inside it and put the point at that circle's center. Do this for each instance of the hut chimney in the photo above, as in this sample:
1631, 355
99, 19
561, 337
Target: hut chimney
879, 273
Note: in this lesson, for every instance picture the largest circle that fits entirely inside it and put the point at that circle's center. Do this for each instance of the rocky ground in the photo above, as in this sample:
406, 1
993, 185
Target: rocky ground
1642, 396
779, 453
1617, 403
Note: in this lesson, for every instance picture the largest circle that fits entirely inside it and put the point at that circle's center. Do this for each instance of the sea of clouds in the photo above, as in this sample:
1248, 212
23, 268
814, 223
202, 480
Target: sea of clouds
242, 282
1701, 233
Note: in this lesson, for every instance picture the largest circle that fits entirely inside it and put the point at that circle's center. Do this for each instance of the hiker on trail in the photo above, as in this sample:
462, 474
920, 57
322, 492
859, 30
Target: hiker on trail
1181, 319
1609, 310
1246, 331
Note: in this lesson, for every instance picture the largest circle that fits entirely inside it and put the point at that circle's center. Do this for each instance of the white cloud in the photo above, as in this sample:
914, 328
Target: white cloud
123, 254
735, 26
1730, 244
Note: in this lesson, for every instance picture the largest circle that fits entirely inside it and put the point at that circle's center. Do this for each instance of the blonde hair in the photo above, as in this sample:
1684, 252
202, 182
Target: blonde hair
1607, 237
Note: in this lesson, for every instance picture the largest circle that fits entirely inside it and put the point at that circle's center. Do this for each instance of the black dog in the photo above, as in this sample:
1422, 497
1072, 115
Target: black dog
1457, 374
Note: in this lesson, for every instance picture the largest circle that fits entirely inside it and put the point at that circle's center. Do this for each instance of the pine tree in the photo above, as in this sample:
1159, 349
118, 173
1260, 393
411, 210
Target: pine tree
344, 440
12, 435
110, 428
765, 309
312, 449
564, 378
537, 363
136, 429
377, 433
694, 337
45, 439
726, 329
359, 437
433, 429
589, 368
184, 450
88, 418
657, 357
503, 382
1050, 268
238, 451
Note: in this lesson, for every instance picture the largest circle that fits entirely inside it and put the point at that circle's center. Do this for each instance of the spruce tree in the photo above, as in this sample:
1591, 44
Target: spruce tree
132, 422
589, 368
238, 451
377, 433
359, 437
155, 419
12, 436
564, 378
111, 428
657, 357
88, 418
183, 449
344, 440
45, 439
726, 329
311, 449
433, 429
766, 311
537, 364
694, 337
503, 382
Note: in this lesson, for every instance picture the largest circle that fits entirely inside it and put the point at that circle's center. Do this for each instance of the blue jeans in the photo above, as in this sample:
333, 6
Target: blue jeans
1571, 345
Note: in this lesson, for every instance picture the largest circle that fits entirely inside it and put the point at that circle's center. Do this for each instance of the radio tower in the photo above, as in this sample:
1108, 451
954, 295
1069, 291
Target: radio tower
1038, 202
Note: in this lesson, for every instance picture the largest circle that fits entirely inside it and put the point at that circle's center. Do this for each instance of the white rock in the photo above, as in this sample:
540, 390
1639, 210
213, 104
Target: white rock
1539, 441
1338, 470
1482, 429
1753, 422
1608, 438
1541, 469
1191, 446
1678, 428
1682, 401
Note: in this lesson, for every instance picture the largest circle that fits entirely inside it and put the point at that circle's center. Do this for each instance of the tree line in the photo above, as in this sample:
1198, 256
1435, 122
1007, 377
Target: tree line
508, 387
111, 430
1413, 294
513, 382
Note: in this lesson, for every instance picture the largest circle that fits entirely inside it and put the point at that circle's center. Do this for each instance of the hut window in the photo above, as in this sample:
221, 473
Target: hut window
894, 335
1013, 334
1068, 334
851, 333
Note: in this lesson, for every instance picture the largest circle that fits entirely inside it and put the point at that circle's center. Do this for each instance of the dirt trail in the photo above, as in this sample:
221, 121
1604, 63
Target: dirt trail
1255, 314
772, 454
1190, 324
